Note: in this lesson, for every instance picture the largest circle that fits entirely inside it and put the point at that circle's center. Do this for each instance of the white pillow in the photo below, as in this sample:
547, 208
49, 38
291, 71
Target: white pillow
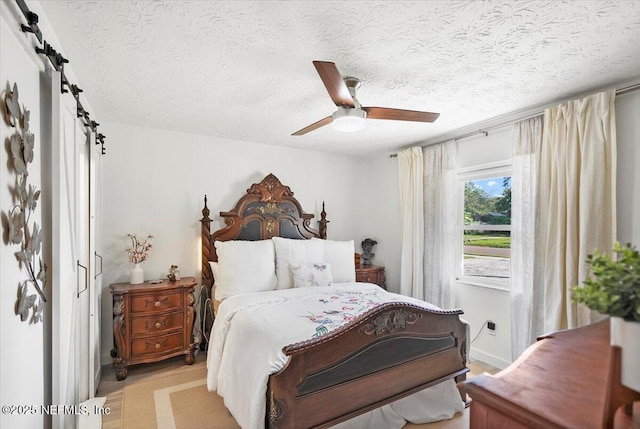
308, 275
215, 271
340, 255
245, 266
289, 251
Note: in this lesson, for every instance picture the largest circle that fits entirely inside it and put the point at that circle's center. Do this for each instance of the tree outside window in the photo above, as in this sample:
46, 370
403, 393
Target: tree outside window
486, 229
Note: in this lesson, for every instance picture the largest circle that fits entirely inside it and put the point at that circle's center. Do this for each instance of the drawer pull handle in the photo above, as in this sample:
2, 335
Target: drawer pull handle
157, 304
158, 345
158, 325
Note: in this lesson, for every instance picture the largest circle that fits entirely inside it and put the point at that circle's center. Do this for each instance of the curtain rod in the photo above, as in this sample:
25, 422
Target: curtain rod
511, 118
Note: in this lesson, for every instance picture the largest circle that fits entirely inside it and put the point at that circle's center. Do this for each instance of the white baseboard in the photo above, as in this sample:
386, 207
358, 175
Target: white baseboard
488, 358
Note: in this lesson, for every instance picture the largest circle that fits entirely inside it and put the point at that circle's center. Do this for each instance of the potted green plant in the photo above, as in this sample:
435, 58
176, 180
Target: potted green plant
614, 289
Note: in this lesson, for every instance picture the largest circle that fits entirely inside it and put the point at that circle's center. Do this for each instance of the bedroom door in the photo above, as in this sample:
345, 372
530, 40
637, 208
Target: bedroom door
84, 288
69, 236
95, 269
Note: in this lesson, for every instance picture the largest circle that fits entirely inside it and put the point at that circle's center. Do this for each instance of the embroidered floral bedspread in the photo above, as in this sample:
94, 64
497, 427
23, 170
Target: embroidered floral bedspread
336, 309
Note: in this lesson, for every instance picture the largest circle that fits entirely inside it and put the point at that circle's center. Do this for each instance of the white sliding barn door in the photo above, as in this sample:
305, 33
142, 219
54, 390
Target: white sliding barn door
70, 247
95, 253
85, 277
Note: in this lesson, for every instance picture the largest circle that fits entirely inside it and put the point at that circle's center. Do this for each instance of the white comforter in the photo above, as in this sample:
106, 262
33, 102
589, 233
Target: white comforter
251, 329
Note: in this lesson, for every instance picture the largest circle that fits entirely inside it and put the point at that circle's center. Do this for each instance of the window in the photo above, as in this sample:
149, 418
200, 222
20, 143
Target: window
485, 225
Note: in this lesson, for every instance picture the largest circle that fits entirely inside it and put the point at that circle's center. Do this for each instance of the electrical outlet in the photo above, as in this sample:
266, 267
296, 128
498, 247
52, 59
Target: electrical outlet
491, 326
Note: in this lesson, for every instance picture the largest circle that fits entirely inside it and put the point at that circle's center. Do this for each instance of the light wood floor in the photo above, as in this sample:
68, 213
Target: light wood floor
114, 389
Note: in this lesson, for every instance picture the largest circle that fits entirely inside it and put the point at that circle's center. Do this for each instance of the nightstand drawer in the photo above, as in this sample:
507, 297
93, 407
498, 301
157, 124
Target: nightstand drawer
157, 303
156, 324
367, 277
371, 274
156, 346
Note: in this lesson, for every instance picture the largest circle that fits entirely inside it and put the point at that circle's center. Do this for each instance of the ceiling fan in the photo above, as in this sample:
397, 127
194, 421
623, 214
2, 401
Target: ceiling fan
351, 116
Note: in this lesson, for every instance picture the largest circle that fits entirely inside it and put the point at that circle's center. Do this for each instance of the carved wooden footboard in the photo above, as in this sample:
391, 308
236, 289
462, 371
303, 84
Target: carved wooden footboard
387, 353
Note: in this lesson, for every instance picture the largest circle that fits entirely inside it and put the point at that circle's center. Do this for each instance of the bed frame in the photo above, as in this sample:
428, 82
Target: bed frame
388, 353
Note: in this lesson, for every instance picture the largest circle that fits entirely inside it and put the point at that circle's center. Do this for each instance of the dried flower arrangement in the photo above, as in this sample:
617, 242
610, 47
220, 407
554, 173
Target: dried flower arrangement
139, 251
22, 144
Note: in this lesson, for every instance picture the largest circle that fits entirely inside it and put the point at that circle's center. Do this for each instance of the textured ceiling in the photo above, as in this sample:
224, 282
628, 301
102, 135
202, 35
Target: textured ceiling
242, 69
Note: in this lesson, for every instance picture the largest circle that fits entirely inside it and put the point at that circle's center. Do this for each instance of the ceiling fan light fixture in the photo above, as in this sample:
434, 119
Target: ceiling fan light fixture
351, 116
349, 120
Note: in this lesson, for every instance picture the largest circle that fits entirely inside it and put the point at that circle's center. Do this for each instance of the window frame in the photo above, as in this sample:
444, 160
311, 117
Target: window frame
478, 172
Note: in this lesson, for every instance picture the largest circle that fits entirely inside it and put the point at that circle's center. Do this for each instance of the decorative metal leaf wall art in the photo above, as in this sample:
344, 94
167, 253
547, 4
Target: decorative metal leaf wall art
25, 199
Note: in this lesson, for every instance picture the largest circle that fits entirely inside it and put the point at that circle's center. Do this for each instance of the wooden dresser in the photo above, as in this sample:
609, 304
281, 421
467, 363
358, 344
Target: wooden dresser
568, 379
152, 322
371, 274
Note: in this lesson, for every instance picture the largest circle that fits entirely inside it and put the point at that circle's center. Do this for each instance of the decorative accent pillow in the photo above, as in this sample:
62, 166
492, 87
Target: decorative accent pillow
339, 254
298, 252
244, 266
309, 275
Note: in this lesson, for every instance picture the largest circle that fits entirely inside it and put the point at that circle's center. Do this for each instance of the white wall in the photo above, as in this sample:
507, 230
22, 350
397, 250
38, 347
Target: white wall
628, 133
154, 182
23, 364
378, 189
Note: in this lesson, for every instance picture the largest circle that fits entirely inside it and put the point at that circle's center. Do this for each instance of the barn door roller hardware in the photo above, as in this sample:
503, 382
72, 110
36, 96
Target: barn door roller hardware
58, 61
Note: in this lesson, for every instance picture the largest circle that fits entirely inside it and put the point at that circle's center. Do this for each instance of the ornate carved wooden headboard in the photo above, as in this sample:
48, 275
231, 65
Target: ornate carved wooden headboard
268, 209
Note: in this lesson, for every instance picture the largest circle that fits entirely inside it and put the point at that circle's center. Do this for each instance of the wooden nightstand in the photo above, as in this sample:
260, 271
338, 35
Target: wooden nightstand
152, 322
371, 274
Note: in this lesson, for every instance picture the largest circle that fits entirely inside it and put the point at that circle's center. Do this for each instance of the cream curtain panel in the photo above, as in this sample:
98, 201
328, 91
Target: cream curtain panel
525, 291
564, 207
441, 240
576, 202
410, 172
427, 179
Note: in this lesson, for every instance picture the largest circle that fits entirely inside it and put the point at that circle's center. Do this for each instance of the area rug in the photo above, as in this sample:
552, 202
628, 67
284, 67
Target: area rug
175, 401
179, 399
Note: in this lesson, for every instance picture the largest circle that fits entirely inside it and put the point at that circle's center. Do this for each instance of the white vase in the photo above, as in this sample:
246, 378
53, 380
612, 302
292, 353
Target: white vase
626, 335
136, 275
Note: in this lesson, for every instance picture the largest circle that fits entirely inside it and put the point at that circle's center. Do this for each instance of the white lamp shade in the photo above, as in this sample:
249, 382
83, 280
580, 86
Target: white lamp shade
349, 119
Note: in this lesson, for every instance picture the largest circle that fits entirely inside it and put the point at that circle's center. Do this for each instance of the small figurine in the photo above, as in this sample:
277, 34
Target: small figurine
174, 273
367, 246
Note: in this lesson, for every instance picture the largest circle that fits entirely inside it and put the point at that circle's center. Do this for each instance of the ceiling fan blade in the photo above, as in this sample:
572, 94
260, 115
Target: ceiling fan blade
399, 114
332, 80
320, 123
